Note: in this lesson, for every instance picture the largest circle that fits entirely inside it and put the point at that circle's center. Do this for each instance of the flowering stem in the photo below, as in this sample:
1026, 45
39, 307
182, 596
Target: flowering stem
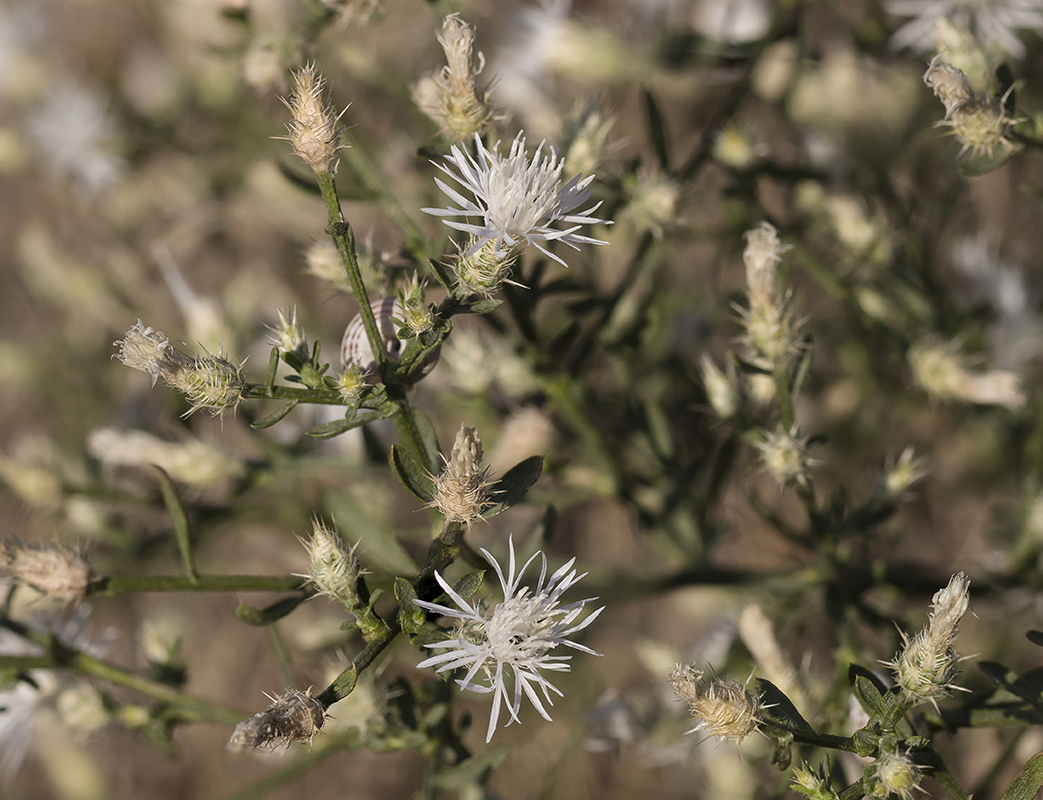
442, 553
340, 231
782, 389
120, 584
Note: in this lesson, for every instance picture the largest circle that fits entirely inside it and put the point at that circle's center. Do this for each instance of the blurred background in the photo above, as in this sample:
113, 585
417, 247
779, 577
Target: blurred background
143, 177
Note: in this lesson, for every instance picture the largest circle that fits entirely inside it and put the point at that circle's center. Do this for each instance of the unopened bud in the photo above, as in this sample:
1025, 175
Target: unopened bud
293, 717
351, 383
287, 333
332, 565
482, 272
813, 784
893, 774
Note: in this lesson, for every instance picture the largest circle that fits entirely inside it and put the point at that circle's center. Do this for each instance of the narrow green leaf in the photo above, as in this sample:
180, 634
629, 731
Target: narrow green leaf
330, 429
266, 616
413, 618
277, 416
416, 479
1028, 783
983, 163
1036, 637
657, 131
514, 484
428, 437
273, 366
179, 520
868, 690
441, 275
779, 707
469, 583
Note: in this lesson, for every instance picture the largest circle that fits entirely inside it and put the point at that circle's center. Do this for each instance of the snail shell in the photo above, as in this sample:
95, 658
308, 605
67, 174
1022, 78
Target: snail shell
355, 348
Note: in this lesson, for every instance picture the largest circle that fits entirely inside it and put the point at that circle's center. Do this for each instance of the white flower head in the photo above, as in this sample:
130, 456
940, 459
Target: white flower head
516, 636
995, 22
518, 199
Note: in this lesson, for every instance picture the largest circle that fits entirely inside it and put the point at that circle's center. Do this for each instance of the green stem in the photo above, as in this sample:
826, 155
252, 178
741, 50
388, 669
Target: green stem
120, 584
782, 389
344, 239
815, 739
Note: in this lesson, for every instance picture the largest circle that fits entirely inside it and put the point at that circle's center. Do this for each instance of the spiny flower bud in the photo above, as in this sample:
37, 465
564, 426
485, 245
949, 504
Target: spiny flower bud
351, 383
813, 784
926, 665
452, 97
211, 382
771, 328
293, 717
332, 565
893, 774
483, 271
313, 129
287, 333
416, 315
726, 709
940, 369
462, 488
60, 573
900, 477
785, 455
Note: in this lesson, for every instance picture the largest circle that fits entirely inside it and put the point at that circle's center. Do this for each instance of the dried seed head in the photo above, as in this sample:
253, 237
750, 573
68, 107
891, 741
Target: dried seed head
60, 573
452, 97
725, 708
944, 373
762, 256
332, 565
313, 129
293, 717
146, 349
949, 84
926, 666
462, 488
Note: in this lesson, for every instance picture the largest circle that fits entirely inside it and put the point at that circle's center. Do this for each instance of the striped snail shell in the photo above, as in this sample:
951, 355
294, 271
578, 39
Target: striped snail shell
355, 348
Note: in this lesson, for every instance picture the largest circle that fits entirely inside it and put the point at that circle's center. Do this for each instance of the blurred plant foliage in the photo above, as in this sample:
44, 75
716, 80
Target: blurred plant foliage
703, 270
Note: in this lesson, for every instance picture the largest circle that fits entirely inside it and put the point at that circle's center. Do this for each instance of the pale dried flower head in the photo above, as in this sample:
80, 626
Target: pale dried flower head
452, 97
294, 716
332, 566
148, 350
724, 707
979, 122
926, 666
60, 573
313, 128
762, 256
517, 199
944, 373
462, 488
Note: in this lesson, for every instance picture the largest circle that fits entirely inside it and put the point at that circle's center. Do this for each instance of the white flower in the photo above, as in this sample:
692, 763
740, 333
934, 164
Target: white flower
518, 199
517, 635
994, 21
